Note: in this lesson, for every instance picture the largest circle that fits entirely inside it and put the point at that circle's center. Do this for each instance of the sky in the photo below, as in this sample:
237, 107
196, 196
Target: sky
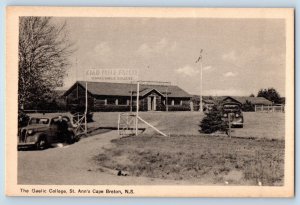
239, 57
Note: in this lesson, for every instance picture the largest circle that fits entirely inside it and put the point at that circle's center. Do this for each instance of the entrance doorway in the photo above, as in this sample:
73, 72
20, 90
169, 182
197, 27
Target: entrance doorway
151, 103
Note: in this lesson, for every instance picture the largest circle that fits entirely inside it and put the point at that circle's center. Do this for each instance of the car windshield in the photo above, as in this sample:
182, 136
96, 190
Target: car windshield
38, 121
63, 118
231, 107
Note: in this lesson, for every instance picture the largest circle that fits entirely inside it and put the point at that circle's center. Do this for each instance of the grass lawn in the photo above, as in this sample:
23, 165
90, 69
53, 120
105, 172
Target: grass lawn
255, 153
256, 125
198, 159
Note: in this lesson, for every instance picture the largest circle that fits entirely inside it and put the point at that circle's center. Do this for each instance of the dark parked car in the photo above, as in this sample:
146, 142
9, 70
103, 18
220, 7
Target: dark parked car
43, 131
232, 111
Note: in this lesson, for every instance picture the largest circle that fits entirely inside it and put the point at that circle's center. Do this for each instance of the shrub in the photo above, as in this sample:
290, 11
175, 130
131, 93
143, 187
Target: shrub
80, 108
248, 107
178, 108
213, 122
113, 108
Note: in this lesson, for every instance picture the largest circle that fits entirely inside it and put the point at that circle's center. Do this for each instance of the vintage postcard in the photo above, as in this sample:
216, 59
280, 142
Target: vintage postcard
160, 102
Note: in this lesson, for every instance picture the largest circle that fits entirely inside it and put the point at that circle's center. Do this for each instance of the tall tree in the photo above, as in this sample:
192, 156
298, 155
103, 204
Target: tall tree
44, 48
270, 94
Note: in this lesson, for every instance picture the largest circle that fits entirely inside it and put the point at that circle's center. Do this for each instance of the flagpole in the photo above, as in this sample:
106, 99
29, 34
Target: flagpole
201, 94
137, 107
86, 107
201, 81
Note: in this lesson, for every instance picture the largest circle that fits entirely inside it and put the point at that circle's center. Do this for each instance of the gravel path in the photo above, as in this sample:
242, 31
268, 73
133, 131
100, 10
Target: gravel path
74, 165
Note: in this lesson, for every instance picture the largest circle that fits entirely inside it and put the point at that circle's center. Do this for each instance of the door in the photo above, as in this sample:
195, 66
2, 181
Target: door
151, 103
154, 103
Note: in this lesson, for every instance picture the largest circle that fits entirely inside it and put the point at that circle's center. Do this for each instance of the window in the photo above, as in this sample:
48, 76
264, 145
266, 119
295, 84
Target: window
122, 101
34, 121
99, 102
111, 101
177, 102
170, 101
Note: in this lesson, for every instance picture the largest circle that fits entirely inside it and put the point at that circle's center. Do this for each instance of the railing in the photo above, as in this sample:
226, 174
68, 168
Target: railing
269, 108
127, 123
78, 121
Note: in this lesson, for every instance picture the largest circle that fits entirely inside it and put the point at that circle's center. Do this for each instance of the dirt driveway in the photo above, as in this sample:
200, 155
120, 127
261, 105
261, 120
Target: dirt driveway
74, 165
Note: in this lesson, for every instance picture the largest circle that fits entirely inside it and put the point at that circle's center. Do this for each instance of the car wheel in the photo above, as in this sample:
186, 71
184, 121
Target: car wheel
41, 144
71, 139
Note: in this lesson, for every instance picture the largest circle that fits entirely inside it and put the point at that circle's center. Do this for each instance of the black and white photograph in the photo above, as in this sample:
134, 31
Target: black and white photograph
113, 101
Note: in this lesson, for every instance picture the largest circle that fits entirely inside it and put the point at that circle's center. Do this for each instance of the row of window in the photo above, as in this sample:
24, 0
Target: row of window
122, 101
113, 101
174, 102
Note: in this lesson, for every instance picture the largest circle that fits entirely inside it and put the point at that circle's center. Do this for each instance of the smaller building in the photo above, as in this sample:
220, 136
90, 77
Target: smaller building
252, 104
208, 102
256, 101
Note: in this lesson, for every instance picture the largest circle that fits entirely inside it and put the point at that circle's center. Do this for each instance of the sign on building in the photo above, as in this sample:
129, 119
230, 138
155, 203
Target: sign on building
111, 75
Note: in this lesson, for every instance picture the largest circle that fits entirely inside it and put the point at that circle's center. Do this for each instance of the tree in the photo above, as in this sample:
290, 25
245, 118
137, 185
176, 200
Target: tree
44, 49
248, 107
270, 94
252, 95
213, 122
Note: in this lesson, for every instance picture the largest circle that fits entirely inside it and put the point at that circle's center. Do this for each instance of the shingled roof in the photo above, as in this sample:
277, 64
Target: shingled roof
254, 100
124, 89
242, 99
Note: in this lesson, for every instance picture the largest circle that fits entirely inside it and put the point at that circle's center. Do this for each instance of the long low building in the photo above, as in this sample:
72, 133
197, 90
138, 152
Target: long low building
209, 101
105, 96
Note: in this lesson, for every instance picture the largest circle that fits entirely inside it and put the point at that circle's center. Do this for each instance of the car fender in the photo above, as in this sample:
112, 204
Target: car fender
33, 138
41, 135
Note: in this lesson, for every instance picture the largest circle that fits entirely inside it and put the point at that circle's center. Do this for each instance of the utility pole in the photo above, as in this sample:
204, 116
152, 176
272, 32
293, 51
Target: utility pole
86, 107
131, 97
137, 108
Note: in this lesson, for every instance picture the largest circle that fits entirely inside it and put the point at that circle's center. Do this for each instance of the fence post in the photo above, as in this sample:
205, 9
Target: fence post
119, 123
229, 124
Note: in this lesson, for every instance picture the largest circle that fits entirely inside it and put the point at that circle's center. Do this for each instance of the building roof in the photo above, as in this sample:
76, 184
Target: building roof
253, 100
125, 89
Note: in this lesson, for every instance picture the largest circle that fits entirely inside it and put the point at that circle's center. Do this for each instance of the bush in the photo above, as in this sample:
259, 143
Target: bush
248, 107
113, 108
178, 108
80, 108
213, 122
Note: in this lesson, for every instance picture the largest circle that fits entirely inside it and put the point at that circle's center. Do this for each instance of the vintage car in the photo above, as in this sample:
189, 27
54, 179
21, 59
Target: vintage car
232, 112
43, 131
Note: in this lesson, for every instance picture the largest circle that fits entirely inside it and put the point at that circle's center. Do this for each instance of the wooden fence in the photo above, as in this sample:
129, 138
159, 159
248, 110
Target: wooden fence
269, 108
